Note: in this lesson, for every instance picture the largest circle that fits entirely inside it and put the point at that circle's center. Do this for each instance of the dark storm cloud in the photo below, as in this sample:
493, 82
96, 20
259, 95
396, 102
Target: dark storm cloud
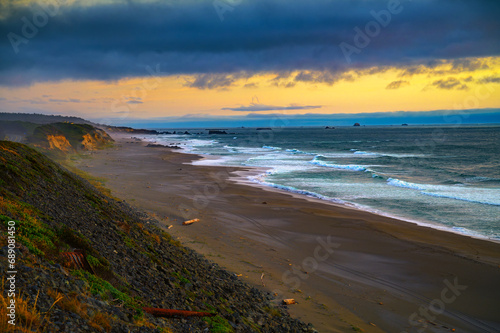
449, 84
132, 39
397, 84
214, 81
434, 67
490, 79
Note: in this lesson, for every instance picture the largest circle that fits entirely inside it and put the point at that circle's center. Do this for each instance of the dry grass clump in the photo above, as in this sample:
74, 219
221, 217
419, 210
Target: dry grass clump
71, 303
28, 318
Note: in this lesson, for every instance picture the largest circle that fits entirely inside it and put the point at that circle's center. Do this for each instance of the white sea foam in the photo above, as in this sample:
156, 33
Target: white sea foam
358, 152
462, 198
373, 154
402, 183
351, 167
260, 180
297, 151
455, 192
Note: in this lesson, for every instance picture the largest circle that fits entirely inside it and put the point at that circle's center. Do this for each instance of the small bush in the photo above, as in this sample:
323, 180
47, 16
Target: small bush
219, 325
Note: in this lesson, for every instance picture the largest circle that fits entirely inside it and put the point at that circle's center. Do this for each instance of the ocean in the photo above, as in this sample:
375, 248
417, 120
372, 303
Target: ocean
444, 177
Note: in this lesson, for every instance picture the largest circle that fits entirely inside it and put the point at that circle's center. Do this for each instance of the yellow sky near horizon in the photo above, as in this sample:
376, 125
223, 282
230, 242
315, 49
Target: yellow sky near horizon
432, 89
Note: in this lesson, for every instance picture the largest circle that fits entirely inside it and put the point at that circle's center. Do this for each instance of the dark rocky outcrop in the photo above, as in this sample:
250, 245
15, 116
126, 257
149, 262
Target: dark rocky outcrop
155, 145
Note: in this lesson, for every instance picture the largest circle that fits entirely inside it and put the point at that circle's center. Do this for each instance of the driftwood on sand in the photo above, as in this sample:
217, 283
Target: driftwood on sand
190, 221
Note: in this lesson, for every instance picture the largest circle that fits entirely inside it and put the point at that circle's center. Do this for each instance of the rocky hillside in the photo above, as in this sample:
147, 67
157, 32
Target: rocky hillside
56, 137
132, 263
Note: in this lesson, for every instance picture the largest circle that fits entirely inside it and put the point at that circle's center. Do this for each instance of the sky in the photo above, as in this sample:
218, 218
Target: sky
242, 62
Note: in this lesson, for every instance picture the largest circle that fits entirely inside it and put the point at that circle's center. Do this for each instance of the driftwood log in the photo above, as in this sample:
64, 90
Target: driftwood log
190, 221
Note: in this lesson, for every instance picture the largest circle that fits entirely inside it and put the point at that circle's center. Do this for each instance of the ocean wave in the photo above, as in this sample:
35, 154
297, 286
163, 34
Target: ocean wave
460, 230
358, 152
479, 179
297, 151
426, 190
231, 149
271, 147
447, 196
402, 183
259, 180
246, 150
352, 167
394, 155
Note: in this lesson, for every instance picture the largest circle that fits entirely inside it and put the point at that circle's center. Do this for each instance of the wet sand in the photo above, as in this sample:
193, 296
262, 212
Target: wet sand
346, 268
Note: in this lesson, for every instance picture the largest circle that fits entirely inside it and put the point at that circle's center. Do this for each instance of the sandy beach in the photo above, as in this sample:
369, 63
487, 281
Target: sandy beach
347, 269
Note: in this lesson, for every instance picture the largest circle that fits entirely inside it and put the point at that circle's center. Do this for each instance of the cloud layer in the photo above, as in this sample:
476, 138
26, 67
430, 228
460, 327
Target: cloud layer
450, 117
255, 107
122, 39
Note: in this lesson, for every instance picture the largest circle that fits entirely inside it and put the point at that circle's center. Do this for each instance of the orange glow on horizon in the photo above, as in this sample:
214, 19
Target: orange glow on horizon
170, 96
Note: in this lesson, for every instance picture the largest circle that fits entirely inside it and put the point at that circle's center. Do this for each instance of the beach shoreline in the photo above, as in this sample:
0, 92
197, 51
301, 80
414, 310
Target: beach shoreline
263, 233
245, 175
243, 179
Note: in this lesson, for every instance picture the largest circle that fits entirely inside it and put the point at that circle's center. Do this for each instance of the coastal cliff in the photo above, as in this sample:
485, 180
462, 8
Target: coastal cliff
133, 263
68, 137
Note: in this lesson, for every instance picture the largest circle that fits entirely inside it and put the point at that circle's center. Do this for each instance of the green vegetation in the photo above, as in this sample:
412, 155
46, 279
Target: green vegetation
93, 261
169, 239
181, 278
219, 325
275, 312
33, 234
105, 290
